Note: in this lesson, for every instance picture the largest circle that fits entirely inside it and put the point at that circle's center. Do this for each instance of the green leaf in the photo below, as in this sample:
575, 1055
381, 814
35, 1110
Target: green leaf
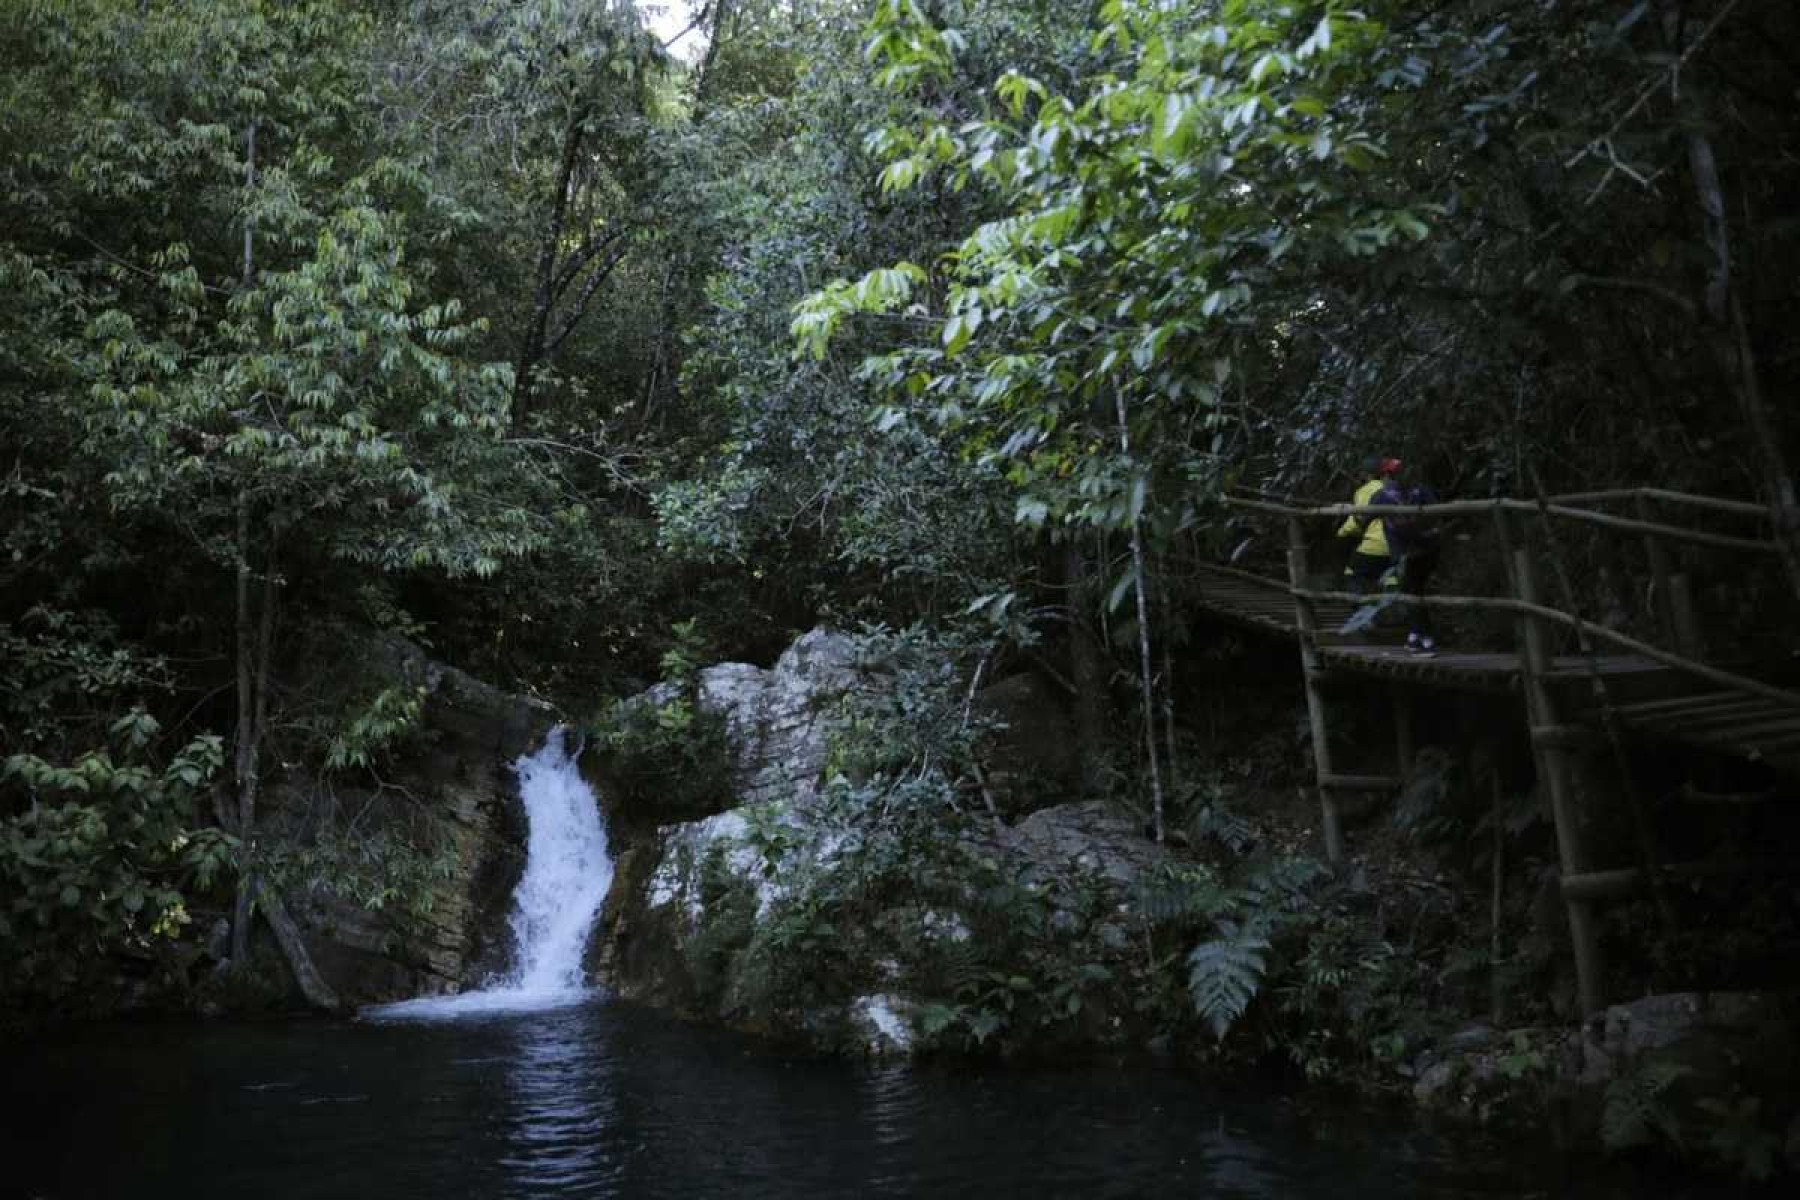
1116, 596
984, 1024
1030, 511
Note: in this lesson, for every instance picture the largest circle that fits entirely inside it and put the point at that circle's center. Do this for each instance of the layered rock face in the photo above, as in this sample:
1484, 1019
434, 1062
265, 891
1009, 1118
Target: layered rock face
777, 725
777, 720
711, 917
450, 790
692, 930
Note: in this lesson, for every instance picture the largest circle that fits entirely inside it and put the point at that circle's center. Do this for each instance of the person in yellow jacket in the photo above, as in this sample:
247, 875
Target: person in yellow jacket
1372, 560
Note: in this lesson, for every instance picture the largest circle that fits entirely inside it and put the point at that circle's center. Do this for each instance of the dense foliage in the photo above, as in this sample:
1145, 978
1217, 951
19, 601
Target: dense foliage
493, 326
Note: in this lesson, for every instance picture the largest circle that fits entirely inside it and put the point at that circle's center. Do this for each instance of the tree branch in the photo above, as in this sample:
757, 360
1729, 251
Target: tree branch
1669, 295
589, 250
588, 288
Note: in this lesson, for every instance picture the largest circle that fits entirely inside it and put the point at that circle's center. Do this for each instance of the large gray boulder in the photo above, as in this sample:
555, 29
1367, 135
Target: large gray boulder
698, 926
709, 911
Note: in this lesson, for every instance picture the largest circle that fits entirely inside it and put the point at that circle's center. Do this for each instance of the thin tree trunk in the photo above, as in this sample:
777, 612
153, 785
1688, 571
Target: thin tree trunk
1496, 904
703, 87
318, 993
242, 751
242, 760
250, 783
537, 331
1145, 678
250, 186
255, 642
255, 648
1731, 342
987, 793
1087, 675
1730, 333
1167, 608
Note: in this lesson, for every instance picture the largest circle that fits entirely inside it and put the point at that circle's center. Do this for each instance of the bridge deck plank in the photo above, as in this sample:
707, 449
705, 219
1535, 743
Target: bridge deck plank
1746, 726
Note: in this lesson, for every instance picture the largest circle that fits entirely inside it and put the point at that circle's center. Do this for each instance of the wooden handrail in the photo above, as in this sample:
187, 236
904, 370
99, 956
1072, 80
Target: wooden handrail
1463, 508
1498, 507
1725, 679
1596, 885
1742, 508
1248, 576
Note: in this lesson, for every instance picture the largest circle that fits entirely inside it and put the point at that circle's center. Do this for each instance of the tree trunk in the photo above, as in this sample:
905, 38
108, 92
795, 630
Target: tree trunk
243, 763
1146, 679
250, 187
243, 748
1087, 670
1729, 333
1497, 898
703, 89
254, 635
250, 780
1167, 608
318, 993
537, 330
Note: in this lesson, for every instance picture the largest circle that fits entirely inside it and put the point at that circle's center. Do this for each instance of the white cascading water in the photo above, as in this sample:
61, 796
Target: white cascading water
568, 870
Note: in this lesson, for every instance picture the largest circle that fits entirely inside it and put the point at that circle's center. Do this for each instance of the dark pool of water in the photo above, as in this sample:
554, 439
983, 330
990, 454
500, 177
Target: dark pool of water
607, 1100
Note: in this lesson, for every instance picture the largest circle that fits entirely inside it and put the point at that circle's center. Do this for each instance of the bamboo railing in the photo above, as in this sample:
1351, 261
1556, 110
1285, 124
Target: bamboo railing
1554, 738
1741, 508
1466, 508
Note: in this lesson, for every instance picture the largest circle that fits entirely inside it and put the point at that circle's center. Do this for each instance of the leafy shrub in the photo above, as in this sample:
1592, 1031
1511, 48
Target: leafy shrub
393, 870
666, 753
378, 729
672, 759
100, 865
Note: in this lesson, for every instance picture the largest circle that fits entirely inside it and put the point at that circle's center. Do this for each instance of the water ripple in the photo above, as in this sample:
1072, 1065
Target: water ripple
602, 1100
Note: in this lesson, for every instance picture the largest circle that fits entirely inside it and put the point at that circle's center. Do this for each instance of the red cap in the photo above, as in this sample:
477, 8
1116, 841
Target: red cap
1390, 466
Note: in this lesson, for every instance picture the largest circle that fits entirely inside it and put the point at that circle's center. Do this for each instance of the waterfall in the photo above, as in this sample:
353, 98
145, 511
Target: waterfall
568, 870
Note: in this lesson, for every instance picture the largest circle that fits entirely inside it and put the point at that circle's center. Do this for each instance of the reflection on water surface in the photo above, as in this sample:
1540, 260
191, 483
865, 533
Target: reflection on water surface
605, 1100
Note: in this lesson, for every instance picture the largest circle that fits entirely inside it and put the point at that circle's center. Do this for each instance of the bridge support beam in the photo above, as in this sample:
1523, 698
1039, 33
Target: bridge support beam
1403, 735
1554, 771
1310, 670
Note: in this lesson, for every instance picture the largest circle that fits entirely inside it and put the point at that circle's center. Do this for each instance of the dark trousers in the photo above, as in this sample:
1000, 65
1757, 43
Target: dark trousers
1415, 576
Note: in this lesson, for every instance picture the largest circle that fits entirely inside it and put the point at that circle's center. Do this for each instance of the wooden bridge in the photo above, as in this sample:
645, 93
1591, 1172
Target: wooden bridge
1605, 687
1751, 726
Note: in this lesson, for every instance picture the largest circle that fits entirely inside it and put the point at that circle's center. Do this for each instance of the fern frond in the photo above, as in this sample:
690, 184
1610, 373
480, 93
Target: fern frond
1225, 974
1634, 1110
1174, 897
1216, 823
959, 966
1283, 883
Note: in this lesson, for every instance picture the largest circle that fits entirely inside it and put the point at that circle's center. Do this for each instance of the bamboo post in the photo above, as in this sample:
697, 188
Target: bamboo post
1660, 573
1496, 903
1681, 615
1306, 623
1403, 734
1553, 768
